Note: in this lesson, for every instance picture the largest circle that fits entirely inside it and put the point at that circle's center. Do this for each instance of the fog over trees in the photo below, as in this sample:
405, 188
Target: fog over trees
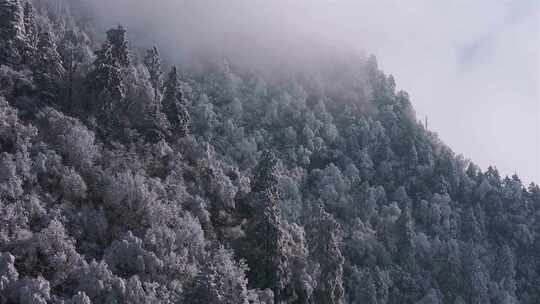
127, 179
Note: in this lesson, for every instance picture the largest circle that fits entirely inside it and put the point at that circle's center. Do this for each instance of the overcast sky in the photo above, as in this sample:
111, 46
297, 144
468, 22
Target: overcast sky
471, 66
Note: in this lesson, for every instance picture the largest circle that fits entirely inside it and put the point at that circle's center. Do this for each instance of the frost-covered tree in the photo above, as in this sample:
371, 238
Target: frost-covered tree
221, 281
106, 80
48, 66
266, 175
72, 139
31, 32
127, 257
174, 104
265, 234
325, 248
119, 184
117, 39
152, 61
75, 51
405, 243
11, 32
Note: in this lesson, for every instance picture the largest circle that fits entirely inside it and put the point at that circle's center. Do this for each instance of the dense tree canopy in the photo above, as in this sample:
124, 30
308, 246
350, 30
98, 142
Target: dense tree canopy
122, 184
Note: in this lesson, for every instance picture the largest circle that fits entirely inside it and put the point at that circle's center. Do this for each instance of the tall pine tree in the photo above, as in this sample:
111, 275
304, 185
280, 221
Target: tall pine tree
48, 68
152, 61
105, 81
174, 104
11, 32
265, 233
325, 248
31, 33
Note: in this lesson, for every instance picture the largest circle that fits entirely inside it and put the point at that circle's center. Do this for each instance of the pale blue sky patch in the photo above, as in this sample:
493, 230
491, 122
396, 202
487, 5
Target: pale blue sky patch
473, 52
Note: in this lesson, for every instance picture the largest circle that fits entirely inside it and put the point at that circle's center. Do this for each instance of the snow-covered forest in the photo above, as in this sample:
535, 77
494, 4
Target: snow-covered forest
124, 179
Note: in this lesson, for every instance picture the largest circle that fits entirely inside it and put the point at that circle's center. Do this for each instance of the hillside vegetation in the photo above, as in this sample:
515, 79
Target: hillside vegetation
126, 180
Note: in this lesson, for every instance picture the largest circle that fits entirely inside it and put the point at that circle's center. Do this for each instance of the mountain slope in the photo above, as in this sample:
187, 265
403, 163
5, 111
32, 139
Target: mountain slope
126, 180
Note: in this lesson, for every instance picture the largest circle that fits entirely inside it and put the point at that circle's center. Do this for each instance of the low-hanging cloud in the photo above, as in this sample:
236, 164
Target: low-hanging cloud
262, 33
471, 66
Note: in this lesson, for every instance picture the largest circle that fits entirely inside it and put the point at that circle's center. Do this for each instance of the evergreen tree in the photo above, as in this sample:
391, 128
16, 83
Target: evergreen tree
152, 61
106, 80
11, 32
48, 67
265, 177
31, 33
476, 278
325, 247
75, 52
405, 243
174, 104
505, 273
470, 226
119, 46
265, 234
